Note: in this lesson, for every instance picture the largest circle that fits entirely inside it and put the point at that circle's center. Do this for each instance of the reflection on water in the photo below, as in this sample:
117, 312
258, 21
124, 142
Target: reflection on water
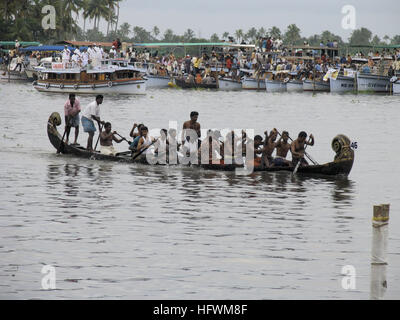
135, 231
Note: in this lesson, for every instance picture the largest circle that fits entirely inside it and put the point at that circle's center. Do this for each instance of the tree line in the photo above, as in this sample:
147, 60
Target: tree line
22, 20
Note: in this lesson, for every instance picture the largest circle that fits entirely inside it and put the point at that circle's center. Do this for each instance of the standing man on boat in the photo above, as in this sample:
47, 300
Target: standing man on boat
190, 126
72, 108
298, 148
90, 113
66, 55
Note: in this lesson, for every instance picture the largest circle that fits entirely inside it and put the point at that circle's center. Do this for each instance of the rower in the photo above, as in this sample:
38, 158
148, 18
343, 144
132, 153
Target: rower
162, 143
145, 142
282, 149
71, 110
230, 145
136, 136
210, 149
106, 139
190, 150
191, 125
298, 148
90, 113
256, 150
269, 147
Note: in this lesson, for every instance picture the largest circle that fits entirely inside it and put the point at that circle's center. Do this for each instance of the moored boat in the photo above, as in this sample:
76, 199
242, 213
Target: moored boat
343, 84
229, 84
113, 76
294, 85
317, 85
395, 85
275, 85
13, 75
157, 81
180, 82
368, 82
253, 83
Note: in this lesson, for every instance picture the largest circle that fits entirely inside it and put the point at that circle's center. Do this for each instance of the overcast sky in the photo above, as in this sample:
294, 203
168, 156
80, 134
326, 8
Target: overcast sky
205, 17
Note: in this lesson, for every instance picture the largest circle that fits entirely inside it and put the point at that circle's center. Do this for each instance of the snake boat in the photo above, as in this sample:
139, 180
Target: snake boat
340, 166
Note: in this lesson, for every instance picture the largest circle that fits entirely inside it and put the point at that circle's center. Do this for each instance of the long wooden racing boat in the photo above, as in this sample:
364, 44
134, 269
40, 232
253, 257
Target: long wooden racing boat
341, 166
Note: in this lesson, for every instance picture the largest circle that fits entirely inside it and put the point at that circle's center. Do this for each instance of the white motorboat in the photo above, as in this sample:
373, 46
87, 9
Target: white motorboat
229, 84
112, 76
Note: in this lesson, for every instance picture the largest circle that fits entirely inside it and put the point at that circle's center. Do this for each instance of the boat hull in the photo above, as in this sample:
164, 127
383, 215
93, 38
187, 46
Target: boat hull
396, 87
341, 166
253, 84
343, 84
320, 86
184, 85
294, 86
131, 87
373, 83
229, 85
275, 86
157, 81
13, 76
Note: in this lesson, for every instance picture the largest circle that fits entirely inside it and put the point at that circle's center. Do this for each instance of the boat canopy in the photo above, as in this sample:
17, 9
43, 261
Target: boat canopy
191, 44
22, 43
49, 48
388, 46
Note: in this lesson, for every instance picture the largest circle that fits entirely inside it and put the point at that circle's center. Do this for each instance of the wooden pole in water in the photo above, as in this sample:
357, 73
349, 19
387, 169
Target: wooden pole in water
9, 63
380, 228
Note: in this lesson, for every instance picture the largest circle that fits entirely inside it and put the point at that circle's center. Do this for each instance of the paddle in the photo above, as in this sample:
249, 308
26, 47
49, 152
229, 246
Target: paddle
299, 162
65, 131
123, 138
145, 149
101, 129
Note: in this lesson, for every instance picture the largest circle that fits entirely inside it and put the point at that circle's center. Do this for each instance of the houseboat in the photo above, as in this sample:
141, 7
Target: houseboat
111, 76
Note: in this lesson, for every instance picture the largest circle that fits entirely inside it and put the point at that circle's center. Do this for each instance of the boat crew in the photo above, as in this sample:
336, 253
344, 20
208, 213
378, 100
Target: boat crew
113, 52
256, 149
85, 58
66, 55
191, 126
90, 113
19, 63
106, 139
269, 147
298, 148
72, 108
161, 147
136, 136
282, 149
145, 142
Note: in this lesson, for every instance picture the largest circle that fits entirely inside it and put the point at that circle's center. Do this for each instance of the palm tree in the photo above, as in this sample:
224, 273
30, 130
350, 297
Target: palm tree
239, 34
96, 10
111, 13
68, 7
117, 5
225, 35
155, 31
85, 5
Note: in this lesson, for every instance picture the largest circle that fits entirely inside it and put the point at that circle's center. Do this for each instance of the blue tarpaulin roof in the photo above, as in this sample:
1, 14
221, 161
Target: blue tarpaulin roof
49, 48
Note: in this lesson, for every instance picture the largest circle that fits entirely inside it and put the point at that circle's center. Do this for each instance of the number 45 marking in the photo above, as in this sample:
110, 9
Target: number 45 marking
354, 145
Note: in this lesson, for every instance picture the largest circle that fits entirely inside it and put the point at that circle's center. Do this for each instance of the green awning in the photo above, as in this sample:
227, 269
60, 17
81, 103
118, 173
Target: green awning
388, 46
23, 43
188, 44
